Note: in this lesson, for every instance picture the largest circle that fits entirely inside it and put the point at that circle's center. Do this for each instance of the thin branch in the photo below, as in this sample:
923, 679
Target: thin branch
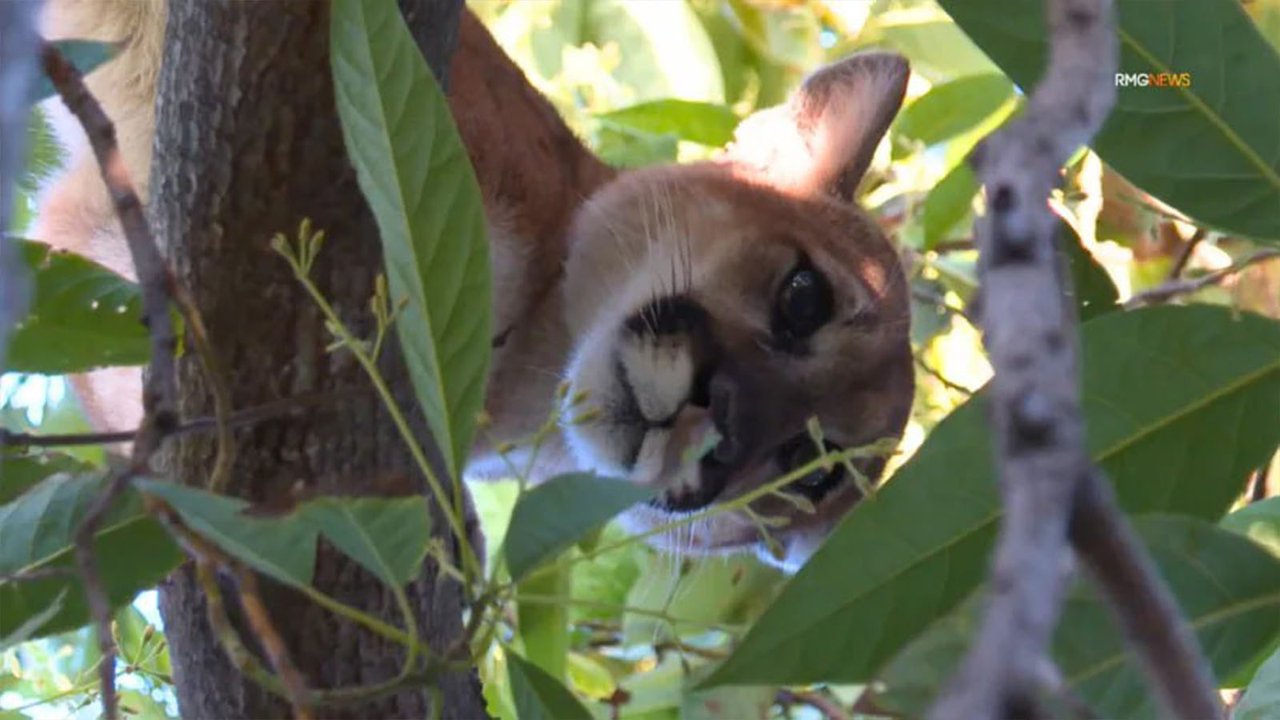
1174, 288
828, 708
158, 397
159, 394
1145, 608
286, 407
1030, 333
1184, 255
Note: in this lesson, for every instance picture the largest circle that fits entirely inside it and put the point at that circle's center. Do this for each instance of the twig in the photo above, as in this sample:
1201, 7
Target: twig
1173, 288
158, 397
18, 67
1145, 608
238, 419
1030, 334
1260, 488
159, 393
274, 646
1184, 255
829, 708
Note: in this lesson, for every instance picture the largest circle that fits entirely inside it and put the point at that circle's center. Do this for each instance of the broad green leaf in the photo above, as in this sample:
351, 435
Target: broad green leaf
414, 172
81, 316
702, 592
20, 471
605, 580
29, 627
1227, 587
948, 203
1261, 700
937, 48
553, 516
728, 703
1094, 292
85, 55
1180, 405
543, 626
282, 546
665, 51
36, 531
539, 696
1212, 149
953, 107
388, 536
627, 148
693, 121
1259, 521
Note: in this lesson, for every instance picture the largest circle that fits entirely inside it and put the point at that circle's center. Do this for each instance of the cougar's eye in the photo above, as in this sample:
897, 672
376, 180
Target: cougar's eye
800, 451
804, 303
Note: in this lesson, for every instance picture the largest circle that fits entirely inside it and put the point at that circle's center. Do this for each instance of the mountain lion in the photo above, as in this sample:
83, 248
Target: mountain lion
716, 305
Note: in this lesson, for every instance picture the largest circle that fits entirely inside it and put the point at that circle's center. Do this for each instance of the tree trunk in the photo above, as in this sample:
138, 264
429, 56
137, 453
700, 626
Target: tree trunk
248, 144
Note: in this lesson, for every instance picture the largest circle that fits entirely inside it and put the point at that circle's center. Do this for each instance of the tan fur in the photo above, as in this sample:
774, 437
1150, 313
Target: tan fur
581, 253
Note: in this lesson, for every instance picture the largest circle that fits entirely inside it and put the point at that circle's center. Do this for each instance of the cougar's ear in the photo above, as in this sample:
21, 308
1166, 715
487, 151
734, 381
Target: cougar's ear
823, 138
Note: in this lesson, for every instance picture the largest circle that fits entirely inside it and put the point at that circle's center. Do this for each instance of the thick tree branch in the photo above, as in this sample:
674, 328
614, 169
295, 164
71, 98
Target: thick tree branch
1143, 605
1184, 286
1030, 333
18, 67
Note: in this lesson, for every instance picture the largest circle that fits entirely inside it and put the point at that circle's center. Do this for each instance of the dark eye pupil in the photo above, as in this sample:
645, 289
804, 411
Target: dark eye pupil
805, 302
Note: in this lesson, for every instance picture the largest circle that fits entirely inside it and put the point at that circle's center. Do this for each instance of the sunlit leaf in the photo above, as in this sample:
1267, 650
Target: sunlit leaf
415, 174
693, 121
81, 316
539, 696
556, 514
953, 107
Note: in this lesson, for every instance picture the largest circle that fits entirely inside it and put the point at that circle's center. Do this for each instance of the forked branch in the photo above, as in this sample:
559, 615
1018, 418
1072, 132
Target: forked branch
1030, 331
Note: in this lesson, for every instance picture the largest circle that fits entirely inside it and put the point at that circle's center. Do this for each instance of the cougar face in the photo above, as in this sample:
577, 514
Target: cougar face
744, 296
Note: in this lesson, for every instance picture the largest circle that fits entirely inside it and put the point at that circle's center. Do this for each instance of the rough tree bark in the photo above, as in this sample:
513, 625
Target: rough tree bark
248, 144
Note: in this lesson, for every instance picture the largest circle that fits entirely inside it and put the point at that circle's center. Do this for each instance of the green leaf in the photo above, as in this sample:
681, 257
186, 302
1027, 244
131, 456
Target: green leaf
85, 55
666, 53
1227, 587
1261, 700
282, 546
553, 516
693, 121
29, 627
36, 531
539, 696
415, 174
1180, 405
20, 471
1094, 292
1259, 521
953, 107
388, 536
948, 203
1221, 129
544, 626
82, 316
703, 592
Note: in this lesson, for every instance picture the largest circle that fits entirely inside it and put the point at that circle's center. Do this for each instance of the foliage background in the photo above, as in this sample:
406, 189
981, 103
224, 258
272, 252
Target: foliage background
632, 631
